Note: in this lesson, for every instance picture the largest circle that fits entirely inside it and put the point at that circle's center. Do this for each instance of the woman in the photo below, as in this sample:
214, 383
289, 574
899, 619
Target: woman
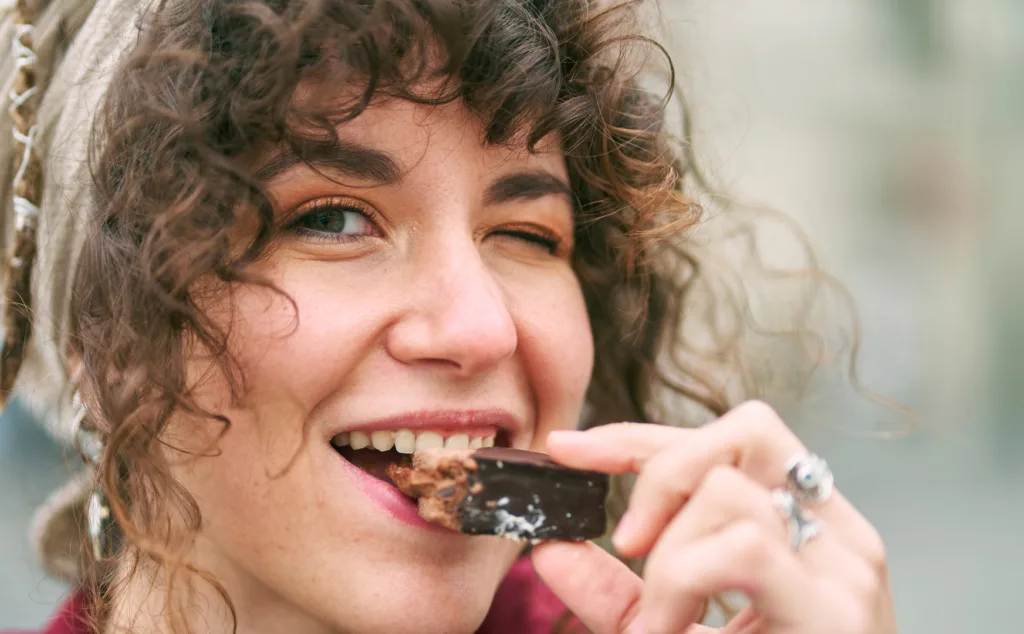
319, 234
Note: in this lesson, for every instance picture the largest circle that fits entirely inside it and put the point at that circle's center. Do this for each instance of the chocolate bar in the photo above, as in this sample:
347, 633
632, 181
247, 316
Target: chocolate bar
508, 492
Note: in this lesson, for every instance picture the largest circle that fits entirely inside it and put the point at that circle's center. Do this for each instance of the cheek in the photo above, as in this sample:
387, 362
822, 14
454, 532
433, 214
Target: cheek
294, 353
290, 357
557, 348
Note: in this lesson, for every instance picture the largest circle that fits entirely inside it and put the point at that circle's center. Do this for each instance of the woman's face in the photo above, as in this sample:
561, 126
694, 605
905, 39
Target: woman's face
432, 293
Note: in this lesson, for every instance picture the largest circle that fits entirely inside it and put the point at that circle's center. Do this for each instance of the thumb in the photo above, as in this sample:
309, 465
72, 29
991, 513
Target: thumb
598, 588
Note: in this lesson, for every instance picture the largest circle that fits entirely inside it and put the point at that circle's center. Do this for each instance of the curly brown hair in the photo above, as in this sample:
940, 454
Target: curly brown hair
210, 88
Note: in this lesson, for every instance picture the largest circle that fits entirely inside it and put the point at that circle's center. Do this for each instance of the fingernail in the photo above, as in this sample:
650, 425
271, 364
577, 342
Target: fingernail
625, 531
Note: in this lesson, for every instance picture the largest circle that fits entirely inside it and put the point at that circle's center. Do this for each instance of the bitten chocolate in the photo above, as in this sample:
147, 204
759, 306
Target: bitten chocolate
508, 492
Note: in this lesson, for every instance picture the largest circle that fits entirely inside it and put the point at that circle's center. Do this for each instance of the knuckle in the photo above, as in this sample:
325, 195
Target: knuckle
753, 545
874, 550
864, 581
759, 423
662, 471
663, 465
662, 575
724, 488
858, 618
759, 412
722, 479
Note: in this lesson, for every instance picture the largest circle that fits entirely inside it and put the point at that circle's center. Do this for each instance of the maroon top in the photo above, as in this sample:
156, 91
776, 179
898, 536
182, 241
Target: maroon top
522, 605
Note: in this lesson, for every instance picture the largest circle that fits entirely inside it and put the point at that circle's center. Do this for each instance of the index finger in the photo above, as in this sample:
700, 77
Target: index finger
615, 449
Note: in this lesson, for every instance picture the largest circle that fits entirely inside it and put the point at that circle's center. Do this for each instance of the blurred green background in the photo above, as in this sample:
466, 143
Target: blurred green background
892, 130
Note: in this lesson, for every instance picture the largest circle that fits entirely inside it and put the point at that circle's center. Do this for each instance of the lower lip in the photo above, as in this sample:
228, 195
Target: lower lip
388, 498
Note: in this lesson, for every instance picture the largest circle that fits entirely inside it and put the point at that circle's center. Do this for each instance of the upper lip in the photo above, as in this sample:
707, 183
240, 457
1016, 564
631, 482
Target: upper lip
443, 420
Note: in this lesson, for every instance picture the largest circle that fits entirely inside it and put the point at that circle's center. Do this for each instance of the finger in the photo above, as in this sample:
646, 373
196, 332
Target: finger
668, 479
615, 448
625, 447
673, 462
726, 497
746, 622
759, 443
739, 558
596, 587
667, 482
751, 437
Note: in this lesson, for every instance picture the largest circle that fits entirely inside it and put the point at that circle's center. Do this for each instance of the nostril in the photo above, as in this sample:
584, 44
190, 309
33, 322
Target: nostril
468, 329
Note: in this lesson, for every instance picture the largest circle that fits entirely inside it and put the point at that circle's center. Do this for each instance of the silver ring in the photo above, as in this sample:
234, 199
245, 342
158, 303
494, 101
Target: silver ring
802, 527
809, 479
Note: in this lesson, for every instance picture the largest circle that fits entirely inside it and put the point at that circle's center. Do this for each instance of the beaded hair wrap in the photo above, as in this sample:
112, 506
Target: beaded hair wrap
27, 189
64, 54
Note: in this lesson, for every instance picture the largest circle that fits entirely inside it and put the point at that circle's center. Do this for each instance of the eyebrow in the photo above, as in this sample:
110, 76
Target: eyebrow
527, 185
367, 164
347, 157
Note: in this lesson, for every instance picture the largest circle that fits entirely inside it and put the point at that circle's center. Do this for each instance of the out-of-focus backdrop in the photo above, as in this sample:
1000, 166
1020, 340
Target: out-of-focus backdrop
892, 130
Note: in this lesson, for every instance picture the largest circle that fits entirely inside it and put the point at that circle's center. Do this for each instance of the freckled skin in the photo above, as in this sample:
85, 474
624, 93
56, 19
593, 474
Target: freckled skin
441, 309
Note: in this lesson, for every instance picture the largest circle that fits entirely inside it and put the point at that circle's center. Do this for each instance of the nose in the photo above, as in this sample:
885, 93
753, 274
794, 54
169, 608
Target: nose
457, 315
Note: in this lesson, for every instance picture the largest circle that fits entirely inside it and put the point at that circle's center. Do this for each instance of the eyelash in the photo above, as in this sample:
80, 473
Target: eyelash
532, 235
547, 241
321, 206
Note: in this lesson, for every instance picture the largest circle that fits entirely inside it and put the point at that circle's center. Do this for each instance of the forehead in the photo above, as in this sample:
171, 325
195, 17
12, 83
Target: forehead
412, 132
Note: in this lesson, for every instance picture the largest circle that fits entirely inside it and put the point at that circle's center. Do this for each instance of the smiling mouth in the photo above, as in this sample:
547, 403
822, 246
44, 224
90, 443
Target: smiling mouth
373, 452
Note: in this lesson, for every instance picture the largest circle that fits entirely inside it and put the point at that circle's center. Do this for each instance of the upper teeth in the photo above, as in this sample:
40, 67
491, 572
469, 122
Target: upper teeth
408, 441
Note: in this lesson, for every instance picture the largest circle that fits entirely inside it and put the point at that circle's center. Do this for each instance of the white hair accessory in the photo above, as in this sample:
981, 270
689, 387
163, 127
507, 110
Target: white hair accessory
77, 47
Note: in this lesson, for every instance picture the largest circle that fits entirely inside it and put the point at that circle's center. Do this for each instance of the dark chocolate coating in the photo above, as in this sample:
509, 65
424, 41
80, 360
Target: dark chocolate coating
525, 495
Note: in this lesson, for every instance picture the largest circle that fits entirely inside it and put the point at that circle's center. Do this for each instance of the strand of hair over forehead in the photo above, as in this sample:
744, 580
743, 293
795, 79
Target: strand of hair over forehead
27, 188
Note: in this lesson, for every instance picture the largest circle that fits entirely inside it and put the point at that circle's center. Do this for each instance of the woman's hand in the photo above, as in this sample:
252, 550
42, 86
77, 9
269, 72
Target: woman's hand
702, 512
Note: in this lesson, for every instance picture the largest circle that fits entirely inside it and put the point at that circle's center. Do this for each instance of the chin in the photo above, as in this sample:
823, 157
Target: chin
425, 601
440, 619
